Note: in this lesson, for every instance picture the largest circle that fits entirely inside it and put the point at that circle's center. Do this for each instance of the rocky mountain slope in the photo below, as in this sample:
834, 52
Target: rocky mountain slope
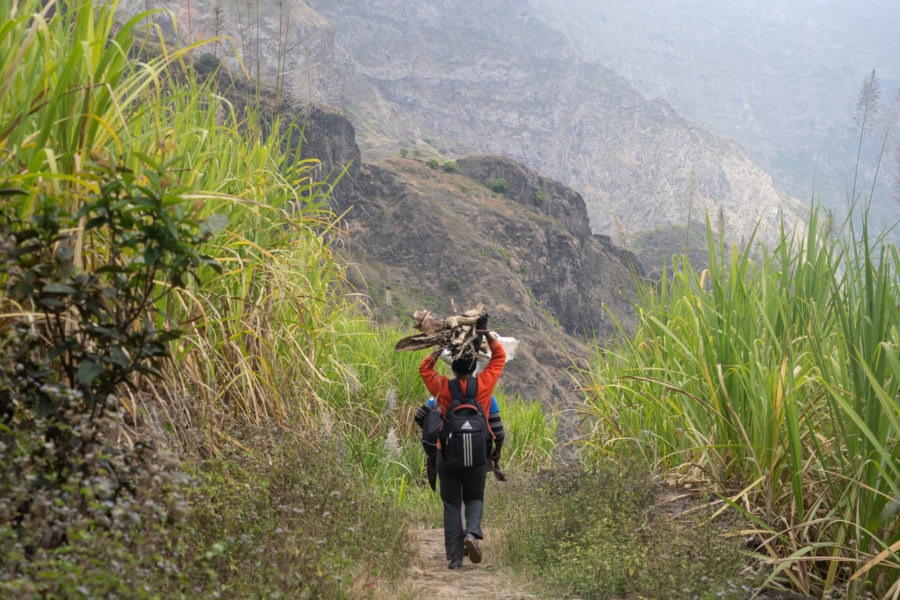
780, 77
418, 235
495, 77
492, 77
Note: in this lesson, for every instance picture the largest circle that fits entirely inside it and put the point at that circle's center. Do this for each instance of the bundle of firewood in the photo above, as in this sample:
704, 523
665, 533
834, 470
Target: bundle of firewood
456, 333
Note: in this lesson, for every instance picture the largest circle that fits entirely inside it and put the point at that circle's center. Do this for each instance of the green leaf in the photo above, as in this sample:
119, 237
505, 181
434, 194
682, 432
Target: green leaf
211, 262
85, 210
88, 371
65, 253
58, 288
149, 370
95, 222
118, 356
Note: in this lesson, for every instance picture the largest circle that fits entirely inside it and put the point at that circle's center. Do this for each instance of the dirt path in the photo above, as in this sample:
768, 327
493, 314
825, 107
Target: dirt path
430, 577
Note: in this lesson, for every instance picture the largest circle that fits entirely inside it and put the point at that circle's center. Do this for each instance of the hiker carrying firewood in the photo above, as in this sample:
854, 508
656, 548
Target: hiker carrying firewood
469, 427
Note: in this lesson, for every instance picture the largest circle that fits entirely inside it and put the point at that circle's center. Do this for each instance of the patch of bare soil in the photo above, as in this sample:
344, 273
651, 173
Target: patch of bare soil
430, 578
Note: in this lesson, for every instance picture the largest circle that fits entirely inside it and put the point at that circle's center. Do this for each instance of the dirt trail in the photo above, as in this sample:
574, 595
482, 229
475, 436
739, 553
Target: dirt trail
430, 577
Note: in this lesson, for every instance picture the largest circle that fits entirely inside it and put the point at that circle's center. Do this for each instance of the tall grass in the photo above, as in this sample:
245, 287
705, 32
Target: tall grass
261, 340
776, 377
76, 88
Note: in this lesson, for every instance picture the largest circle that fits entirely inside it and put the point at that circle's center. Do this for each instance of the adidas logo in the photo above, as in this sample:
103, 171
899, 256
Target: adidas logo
466, 425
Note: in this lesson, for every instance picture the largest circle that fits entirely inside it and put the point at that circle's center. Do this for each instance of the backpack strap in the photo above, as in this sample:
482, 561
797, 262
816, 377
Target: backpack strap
456, 396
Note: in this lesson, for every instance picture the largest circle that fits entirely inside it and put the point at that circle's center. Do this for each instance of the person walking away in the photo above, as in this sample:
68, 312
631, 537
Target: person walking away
463, 486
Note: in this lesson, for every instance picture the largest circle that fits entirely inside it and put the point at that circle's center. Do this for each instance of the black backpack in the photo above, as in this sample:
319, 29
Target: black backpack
465, 436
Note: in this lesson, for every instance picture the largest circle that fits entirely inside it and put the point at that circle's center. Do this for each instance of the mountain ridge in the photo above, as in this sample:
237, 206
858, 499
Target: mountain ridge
495, 78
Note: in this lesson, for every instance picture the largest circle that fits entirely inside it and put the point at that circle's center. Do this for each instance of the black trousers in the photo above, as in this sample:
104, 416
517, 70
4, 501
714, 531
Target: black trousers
460, 487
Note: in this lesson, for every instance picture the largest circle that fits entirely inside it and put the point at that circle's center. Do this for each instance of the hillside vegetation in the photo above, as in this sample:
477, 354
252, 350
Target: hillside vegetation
193, 406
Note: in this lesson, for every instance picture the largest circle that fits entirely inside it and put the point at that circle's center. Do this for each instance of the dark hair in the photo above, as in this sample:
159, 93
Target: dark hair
464, 365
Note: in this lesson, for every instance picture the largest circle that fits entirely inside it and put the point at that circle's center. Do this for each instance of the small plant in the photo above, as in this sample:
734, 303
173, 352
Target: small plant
538, 195
207, 64
505, 255
404, 152
433, 163
496, 185
451, 285
450, 167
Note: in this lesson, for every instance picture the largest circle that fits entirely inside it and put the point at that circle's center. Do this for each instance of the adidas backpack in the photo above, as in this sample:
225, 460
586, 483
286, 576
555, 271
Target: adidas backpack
465, 434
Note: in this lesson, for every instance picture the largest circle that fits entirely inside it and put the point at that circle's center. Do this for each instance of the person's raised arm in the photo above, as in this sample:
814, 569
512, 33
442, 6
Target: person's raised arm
492, 371
430, 377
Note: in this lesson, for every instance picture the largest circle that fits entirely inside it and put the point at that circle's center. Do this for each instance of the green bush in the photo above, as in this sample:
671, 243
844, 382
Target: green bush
450, 167
79, 333
433, 163
496, 185
267, 519
538, 195
79, 294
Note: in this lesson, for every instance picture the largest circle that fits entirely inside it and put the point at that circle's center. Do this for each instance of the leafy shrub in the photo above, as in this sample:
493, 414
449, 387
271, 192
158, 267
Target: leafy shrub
268, 519
450, 167
597, 534
207, 64
79, 333
496, 185
404, 152
433, 163
538, 195
80, 323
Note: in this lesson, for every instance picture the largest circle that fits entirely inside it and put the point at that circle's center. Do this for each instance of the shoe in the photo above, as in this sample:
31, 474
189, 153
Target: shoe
456, 563
472, 549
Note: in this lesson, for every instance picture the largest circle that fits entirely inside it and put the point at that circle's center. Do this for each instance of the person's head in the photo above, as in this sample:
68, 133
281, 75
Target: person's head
464, 366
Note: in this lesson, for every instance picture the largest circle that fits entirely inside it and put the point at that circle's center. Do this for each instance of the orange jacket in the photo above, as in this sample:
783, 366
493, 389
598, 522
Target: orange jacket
438, 385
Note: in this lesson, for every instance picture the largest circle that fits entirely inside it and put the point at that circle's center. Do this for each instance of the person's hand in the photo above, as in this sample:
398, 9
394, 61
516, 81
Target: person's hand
495, 455
481, 324
491, 336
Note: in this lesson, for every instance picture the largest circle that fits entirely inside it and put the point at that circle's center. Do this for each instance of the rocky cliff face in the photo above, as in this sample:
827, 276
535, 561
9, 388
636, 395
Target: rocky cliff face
494, 77
418, 236
449, 79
